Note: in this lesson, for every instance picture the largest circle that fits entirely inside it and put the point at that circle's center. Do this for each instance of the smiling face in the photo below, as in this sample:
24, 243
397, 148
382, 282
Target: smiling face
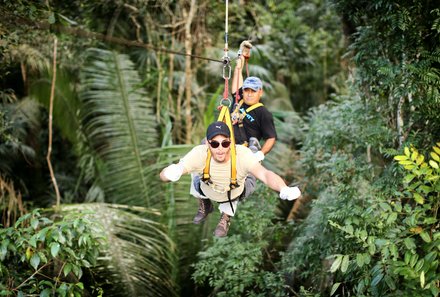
220, 154
252, 97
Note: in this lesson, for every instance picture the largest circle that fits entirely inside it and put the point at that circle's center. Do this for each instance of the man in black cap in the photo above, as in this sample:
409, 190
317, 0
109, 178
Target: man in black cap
218, 188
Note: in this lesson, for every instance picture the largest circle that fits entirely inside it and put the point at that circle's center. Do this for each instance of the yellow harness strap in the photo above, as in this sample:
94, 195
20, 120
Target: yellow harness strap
224, 116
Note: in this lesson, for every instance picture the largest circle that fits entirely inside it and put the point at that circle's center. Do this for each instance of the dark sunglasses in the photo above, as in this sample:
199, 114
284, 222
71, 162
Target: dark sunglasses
215, 143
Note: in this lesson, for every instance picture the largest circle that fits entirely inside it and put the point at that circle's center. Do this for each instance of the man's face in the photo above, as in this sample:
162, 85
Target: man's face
219, 152
252, 97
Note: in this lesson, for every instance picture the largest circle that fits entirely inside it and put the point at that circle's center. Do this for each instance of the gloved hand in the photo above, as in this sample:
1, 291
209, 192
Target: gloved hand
173, 172
245, 49
259, 155
245, 44
290, 193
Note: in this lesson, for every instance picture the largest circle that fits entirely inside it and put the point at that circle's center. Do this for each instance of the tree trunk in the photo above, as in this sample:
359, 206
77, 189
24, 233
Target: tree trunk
188, 16
399, 120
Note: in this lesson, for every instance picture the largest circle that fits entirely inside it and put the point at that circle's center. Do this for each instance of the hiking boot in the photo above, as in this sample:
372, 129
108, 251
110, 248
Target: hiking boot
254, 145
205, 208
223, 226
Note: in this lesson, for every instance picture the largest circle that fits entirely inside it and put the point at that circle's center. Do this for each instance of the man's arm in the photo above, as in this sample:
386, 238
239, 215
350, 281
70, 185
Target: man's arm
172, 173
237, 77
268, 145
269, 178
275, 182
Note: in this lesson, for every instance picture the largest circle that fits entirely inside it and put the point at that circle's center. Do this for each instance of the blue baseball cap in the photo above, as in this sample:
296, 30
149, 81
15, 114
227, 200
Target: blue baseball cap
253, 83
217, 128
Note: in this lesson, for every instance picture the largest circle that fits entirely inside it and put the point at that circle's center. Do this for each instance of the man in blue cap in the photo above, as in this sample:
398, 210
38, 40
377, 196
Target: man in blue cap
252, 120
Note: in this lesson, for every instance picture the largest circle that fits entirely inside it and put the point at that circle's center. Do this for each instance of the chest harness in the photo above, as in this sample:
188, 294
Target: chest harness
238, 116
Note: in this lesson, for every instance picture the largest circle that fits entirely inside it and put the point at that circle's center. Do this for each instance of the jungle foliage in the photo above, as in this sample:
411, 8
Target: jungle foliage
353, 86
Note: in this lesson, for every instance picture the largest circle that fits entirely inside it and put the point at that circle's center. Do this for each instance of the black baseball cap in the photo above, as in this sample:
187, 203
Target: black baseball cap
217, 128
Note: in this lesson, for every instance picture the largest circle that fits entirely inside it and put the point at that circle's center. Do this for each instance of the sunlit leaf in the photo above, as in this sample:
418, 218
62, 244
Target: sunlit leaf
408, 178
422, 279
334, 288
414, 155
400, 158
420, 159
433, 164
345, 262
407, 152
435, 157
418, 198
336, 264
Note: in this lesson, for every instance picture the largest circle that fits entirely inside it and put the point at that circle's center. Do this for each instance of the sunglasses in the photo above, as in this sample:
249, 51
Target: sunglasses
215, 143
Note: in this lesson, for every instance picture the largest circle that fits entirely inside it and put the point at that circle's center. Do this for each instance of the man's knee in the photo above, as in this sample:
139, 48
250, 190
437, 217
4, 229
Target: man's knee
249, 186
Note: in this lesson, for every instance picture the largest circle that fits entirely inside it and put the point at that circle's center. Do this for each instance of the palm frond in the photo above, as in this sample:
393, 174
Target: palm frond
119, 122
138, 258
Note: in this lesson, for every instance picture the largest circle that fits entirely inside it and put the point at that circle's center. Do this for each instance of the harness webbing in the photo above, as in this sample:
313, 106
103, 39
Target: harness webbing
224, 116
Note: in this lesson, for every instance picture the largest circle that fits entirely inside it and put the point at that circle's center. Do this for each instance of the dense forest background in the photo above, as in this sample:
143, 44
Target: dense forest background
96, 97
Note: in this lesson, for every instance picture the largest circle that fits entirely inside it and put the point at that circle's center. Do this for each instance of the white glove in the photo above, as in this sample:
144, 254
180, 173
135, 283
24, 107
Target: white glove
259, 155
173, 172
290, 193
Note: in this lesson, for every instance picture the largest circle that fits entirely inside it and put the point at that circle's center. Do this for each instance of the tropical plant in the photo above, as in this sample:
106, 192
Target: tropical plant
242, 264
138, 258
46, 257
396, 253
118, 123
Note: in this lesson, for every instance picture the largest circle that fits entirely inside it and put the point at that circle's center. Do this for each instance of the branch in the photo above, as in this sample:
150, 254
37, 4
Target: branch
52, 95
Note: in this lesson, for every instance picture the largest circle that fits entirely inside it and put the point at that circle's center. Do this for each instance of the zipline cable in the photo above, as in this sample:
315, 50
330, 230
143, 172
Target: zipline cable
111, 39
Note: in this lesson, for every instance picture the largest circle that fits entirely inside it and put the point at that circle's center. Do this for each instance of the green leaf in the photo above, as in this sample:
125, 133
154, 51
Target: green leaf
45, 293
406, 162
414, 155
336, 264
34, 223
385, 206
35, 261
80, 285
345, 262
436, 149
418, 198
398, 206
435, 157
400, 158
425, 236
408, 178
367, 258
390, 282
54, 249
407, 257
419, 265
420, 159
67, 269
377, 279
422, 279
409, 243
433, 164
392, 218
334, 288
359, 260
409, 167
406, 152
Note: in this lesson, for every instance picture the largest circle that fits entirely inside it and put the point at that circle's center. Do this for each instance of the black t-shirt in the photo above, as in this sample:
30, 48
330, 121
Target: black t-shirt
257, 123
